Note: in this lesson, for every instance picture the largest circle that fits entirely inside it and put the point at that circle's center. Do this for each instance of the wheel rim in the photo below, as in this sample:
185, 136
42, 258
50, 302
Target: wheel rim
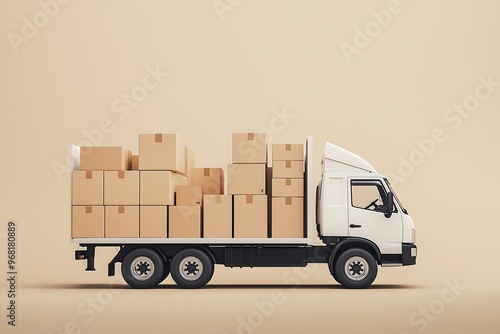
356, 268
142, 268
191, 268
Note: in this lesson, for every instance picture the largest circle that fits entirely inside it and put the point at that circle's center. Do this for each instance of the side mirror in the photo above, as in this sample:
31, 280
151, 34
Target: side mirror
390, 205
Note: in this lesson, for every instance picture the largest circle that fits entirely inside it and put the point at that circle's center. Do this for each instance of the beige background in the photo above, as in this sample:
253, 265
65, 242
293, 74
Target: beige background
233, 75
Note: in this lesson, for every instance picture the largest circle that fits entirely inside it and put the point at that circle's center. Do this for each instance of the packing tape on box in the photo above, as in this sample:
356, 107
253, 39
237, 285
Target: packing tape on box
249, 199
158, 137
288, 182
206, 171
88, 209
288, 147
288, 164
288, 201
121, 209
88, 174
121, 174
250, 136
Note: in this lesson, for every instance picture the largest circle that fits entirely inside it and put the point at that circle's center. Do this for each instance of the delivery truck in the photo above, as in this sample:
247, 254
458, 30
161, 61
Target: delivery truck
360, 222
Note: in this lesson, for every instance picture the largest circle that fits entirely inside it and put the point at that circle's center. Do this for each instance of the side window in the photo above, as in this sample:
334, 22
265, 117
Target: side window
369, 195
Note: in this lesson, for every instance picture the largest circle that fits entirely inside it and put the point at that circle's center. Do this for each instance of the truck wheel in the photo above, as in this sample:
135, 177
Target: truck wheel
191, 268
143, 268
356, 268
166, 270
331, 266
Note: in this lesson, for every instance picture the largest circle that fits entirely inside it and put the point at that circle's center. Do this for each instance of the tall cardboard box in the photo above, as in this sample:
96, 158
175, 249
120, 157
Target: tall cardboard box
121, 222
162, 152
190, 161
87, 188
87, 222
210, 179
288, 187
250, 216
287, 152
121, 187
246, 179
188, 195
104, 158
288, 169
184, 222
287, 217
217, 216
249, 148
158, 187
153, 221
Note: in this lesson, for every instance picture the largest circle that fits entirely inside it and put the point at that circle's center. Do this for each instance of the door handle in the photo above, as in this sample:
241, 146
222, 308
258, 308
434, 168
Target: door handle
354, 226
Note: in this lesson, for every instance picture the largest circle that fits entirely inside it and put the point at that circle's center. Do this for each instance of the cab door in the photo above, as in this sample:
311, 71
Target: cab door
367, 205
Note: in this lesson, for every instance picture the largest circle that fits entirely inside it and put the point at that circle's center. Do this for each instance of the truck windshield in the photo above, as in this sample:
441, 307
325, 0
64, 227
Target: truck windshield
395, 196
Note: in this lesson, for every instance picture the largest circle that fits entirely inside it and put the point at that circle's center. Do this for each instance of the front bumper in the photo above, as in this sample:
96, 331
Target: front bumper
409, 254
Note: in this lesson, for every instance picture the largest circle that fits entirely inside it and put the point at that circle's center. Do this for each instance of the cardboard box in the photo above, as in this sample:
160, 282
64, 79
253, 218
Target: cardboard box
153, 221
288, 187
121, 222
288, 169
121, 187
211, 180
134, 162
249, 148
162, 152
288, 152
184, 222
87, 222
158, 187
188, 195
246, 179
87, 188
190, 161
250, 216
287, 217
104, 158
217, 216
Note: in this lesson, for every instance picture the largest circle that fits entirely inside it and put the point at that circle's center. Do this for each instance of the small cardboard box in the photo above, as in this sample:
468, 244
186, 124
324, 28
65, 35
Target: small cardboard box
287, 217
162, 152
87, 188
121, 222
288, 152
190, 161
104, 158
134, 162
210, 179
288, 187
121, 187
158, 187
184, 222
153, 221
250, 216
246, 179
249, 148
87, 222
188, 195
288, 169
217, 216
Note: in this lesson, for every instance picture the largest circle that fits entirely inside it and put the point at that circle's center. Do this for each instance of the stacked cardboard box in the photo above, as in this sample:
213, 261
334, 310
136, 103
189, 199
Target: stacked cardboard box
246, 182
287, 191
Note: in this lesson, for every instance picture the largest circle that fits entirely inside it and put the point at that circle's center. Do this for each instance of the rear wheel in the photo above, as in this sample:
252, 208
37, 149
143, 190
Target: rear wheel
355, 269
191, 268
143, 268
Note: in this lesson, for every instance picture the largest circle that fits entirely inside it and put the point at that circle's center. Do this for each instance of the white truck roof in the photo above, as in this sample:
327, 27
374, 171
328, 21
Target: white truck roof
337, 159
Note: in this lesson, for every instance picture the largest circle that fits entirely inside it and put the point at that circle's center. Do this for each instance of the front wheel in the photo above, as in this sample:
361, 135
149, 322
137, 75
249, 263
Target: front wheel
191, 268
355, 269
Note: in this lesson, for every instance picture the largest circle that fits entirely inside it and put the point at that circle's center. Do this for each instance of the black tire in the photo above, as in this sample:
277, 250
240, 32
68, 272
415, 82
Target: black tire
191, 268
331, 267
166, 270
356, 268
143, 268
